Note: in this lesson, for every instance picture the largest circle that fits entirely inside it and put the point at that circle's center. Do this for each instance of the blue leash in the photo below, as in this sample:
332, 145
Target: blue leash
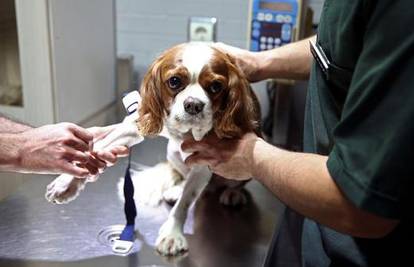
126, 240
129, 206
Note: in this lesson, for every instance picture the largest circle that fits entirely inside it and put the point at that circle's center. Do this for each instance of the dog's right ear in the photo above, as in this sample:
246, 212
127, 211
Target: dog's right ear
152, 109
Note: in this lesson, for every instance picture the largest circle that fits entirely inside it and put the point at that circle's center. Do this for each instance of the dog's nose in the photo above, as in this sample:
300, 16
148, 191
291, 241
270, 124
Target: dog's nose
193, 105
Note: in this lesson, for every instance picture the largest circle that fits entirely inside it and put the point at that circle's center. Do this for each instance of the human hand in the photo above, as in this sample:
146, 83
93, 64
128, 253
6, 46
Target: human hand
247, 61
111, 155
230, 158
55, 149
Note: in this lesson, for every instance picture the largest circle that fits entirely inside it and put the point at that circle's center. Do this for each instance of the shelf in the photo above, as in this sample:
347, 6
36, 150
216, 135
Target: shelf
14, 112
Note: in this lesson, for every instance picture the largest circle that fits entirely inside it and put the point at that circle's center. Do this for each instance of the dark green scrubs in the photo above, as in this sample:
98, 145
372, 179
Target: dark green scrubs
362, 116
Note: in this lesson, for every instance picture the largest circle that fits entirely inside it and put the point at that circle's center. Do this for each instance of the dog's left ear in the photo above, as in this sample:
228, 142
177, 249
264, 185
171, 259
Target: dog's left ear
237, 113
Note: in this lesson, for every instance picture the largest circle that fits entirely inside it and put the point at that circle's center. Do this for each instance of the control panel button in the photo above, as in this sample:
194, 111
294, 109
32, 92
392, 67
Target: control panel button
268, 17
278, 41
254, 45
286, 32
256, 25
255, 33
288, 19
269, 46
270, 39
262, 46
280, 18
263, 39
260, 16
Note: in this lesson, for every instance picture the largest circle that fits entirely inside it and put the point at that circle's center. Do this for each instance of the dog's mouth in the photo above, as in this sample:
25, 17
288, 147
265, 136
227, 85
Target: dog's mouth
182, 125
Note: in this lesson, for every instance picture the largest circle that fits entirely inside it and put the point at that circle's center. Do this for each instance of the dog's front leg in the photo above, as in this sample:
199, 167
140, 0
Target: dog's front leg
66, 188
171, 240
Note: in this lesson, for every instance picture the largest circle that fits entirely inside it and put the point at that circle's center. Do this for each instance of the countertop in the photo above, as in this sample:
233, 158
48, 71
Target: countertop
36, 233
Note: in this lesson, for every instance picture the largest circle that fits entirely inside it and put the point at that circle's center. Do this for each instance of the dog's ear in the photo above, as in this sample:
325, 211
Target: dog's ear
152, 109
237, 112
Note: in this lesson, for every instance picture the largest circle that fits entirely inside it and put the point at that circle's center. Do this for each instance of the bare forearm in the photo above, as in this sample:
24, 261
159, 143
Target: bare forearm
10, 143
291, 61
302, 182
9, 126
9, 152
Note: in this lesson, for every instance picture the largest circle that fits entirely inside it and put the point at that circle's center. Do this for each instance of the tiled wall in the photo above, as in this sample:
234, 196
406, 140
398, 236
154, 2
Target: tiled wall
147, 27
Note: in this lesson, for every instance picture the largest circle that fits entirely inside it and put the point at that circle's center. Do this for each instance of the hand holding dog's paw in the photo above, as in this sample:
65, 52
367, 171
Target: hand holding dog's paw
64, 189
171, 240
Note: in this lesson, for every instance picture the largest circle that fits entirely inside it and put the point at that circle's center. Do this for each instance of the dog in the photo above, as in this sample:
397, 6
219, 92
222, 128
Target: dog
194, 89
191, 90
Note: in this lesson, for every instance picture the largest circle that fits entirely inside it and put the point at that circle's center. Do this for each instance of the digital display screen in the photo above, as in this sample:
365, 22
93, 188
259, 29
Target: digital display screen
276, 6
271, 29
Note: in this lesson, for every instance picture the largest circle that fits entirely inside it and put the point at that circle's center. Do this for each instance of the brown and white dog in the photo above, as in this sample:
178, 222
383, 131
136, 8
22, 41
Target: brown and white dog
194, 89
191, 89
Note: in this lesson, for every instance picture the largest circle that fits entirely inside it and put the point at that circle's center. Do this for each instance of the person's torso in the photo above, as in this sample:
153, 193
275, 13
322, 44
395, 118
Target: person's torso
341, 35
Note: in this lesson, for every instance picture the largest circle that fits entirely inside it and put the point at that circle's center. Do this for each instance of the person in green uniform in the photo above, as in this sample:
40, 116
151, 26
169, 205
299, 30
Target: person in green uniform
353, 184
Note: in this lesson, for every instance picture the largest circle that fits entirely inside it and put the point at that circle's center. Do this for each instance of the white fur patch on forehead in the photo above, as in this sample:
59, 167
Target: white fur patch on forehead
195, 57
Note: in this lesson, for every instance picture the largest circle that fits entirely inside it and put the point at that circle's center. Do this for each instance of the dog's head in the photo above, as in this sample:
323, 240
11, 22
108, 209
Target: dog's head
196, 88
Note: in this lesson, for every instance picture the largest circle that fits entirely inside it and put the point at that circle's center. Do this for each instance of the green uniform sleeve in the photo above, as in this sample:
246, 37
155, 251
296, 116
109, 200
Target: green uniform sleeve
371, 160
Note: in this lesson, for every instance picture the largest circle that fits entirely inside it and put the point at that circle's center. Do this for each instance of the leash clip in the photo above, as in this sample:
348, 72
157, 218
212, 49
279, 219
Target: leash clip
122, 246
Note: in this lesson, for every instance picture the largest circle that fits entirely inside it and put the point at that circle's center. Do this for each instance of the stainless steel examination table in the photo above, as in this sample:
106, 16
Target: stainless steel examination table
34, 232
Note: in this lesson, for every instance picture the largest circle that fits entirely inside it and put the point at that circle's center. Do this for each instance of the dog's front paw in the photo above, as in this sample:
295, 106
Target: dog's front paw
233, 197
171, 240
64, 189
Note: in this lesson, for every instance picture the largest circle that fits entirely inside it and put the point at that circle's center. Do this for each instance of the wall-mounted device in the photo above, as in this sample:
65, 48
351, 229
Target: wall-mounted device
202, 29
274, 23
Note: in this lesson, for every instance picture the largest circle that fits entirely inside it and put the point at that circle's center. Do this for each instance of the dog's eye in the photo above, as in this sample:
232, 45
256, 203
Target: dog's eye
174, 82
215, 87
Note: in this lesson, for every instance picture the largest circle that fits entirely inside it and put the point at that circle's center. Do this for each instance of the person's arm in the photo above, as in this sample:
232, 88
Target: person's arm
50, 149
10, 126
292, 61
300, 180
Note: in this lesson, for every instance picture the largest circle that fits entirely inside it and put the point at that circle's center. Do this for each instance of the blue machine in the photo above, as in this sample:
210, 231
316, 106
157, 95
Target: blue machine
273, 23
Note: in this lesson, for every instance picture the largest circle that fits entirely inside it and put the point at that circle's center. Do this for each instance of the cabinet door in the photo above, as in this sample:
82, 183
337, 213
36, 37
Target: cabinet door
25, 63
83, 51
67, 59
